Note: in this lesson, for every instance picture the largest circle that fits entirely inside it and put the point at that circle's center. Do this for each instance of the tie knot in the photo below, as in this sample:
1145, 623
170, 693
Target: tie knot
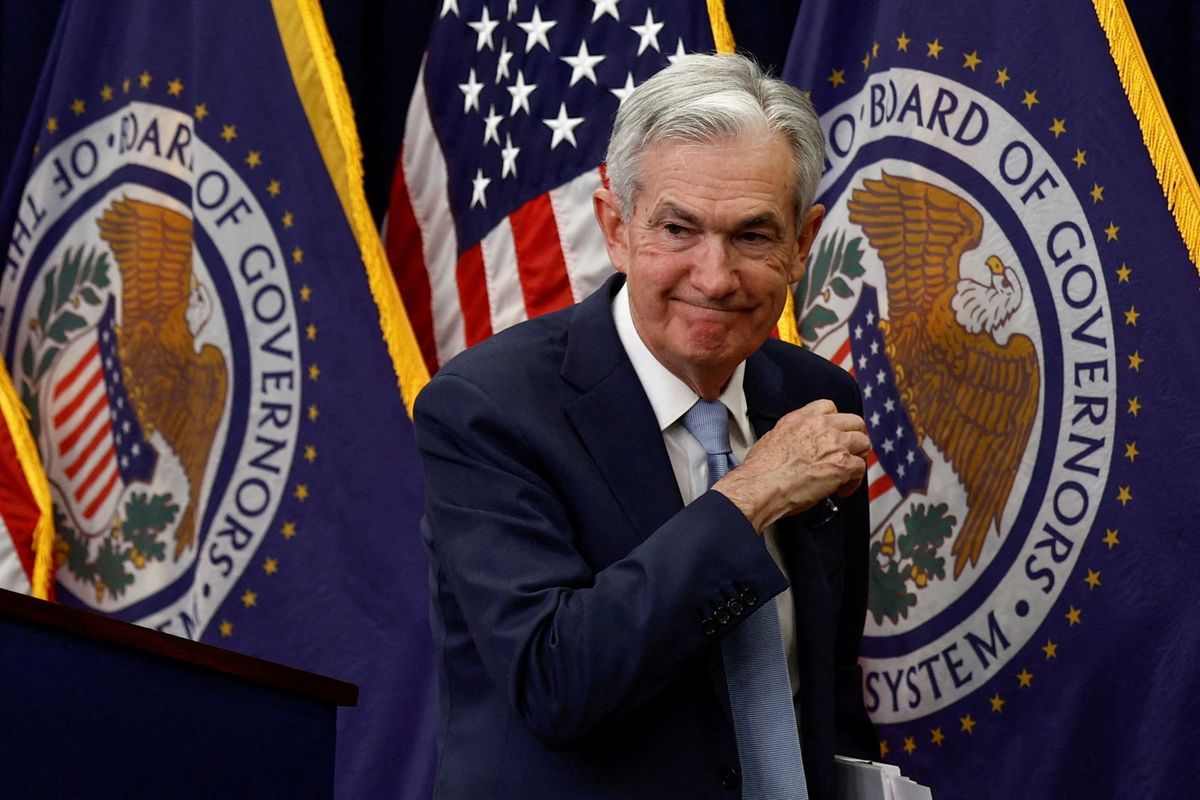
708, 421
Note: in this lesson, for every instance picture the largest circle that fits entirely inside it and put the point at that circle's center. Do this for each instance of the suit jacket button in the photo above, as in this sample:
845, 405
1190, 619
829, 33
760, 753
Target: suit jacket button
734, 606
729, 777
722, 615
708, 626
749, 598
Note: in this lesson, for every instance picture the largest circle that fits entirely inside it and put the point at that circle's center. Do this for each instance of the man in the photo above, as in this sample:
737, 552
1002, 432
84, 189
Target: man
591, 593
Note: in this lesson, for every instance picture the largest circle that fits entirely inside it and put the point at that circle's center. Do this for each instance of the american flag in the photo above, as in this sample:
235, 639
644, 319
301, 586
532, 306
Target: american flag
95, 435
490, 220
896, 465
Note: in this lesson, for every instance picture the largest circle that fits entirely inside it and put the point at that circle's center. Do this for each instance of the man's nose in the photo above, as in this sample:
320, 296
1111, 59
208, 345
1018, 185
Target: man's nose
714, 272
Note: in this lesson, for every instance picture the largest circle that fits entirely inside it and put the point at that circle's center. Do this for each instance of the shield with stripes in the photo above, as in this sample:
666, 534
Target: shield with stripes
95, 443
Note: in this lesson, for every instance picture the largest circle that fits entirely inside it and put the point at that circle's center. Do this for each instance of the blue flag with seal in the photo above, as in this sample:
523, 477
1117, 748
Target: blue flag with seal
196, 308
1008, 262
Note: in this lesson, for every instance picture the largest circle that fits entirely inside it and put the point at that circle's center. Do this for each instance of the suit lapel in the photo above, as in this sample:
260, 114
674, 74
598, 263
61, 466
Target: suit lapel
613, 416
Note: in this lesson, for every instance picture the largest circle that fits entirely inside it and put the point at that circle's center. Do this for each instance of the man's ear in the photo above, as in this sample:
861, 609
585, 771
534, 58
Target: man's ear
804, 241
608, 215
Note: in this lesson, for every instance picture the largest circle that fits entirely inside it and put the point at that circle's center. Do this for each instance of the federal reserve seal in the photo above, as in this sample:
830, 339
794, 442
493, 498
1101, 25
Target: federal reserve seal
149, 315
958, 280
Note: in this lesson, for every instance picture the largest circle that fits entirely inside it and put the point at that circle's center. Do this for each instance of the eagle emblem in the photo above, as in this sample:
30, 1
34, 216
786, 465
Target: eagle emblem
973, 395
176, 388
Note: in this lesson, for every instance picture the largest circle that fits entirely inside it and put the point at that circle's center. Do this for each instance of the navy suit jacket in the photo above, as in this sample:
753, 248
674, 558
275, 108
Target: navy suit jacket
578, 606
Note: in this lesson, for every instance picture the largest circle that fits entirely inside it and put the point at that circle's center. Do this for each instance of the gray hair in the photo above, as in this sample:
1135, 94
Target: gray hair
709, 98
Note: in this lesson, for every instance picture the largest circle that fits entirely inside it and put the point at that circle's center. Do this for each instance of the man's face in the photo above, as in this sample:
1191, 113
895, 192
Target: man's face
708, 251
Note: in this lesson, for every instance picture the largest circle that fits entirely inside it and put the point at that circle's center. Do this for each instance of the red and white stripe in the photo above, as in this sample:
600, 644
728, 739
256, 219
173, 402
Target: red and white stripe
880, 488
81, 431
545, 255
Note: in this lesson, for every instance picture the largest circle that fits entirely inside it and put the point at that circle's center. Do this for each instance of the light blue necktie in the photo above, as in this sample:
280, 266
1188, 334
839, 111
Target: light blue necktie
756, 672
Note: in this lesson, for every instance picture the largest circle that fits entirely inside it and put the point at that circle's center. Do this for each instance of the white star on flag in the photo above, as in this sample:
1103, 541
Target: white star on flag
563, 127
502, 62
623, 92
583, 65
484, 28
491, 130
520, 92
478, 185
605, 7
536, 30
471, 90
509, 154
649, 32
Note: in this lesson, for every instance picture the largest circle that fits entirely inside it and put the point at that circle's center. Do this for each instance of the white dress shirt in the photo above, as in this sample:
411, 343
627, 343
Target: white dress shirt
671, 398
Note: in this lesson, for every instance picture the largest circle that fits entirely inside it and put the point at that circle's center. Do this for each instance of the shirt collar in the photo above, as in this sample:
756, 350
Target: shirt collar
669, 396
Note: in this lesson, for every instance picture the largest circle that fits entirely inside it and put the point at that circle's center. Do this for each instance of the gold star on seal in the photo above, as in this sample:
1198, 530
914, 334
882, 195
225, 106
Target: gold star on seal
1097, 193
1131, 451
301, 492
883, 748
298, 256
866, 61
837, 77
228, 133
52, 125
249, 598
288, 530
1111, 231
1131, 316
1058, 127
1002, 77
1124, 496
1134, 405
1030, 100
936, 736
271, 566
1050, 649
313, 413
106, 93
875, 50
1025, 678
935, 49
126, 85
226, 628
1092, 579
78, 106
254, 159
997, 703
902, 42
1135, 361
310, 453
287, 219
1123, 274
1074, 615
144, 80
1110, 538
273, 188
201, 111
310, 332
1080, 158
314, 372
305, 293
968, 724
971, 60
910, 744
175, 87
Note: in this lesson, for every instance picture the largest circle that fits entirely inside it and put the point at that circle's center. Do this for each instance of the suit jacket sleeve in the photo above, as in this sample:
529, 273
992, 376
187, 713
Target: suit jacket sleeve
574, 645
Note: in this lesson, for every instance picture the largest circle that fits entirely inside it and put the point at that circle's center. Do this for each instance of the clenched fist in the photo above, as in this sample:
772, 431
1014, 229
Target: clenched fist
811, 453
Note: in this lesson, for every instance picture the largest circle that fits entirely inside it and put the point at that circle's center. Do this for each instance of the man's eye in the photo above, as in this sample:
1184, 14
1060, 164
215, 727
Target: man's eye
753, 237
674, 230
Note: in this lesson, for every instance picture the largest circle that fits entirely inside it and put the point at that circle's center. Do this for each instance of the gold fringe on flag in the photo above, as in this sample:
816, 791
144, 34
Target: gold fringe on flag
16, 417
1166, 153
326, 101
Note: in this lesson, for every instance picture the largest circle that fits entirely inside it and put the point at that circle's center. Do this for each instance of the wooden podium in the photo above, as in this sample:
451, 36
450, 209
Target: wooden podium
93, 708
